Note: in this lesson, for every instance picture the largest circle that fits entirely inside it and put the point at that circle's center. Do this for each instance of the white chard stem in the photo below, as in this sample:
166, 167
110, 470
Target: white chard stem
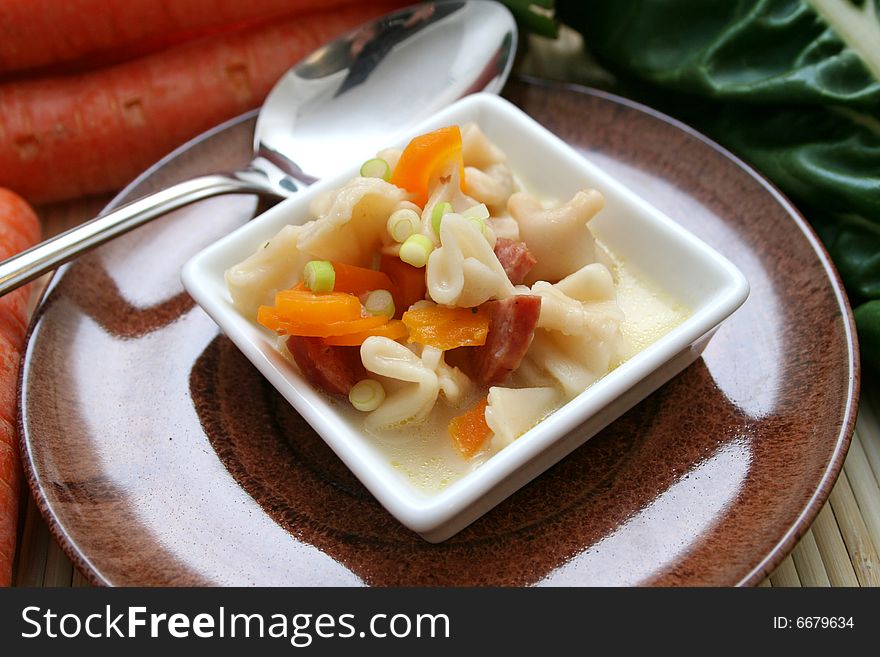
858, 28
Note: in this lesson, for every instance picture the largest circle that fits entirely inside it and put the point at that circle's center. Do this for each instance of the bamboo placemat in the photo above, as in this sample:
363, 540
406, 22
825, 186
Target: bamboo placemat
840, 549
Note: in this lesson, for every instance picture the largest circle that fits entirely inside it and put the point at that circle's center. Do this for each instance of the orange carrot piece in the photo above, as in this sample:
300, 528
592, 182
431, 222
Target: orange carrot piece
358, 280
316, 308
323, 315
409, 282
337, 328
19, 229
423, 157
38, 33
469, 432
447, 328
268, 317
10, 485
394, 330
75, 135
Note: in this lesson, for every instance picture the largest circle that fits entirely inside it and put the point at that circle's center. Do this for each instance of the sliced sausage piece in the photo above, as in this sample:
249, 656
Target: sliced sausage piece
331, 368
516, 259
512, 324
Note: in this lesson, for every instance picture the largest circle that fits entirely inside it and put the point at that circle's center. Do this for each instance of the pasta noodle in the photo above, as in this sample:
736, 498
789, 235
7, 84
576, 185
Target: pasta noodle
276, 265
579, 335
558, 237
352, 226
511, 412
464, 270
477, 151
492, 186
446, 190
580, 303
454, 384
410, 403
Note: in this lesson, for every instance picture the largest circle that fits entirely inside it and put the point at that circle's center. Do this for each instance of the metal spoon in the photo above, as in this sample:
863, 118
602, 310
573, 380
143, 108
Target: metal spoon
341, 103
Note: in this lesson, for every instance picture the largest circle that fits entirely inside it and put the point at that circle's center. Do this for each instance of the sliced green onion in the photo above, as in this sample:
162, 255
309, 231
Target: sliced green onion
480, 225
476, 212
376, 168
403, 223
379, 302
319, 275
416, 249
437, 215
366, 395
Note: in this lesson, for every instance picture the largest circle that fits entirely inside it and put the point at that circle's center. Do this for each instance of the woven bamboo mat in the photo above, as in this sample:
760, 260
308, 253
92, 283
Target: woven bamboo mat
840, 549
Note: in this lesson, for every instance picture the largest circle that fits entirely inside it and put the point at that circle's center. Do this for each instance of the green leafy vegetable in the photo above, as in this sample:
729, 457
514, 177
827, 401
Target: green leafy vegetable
755, 51
791, 86
534, 16
868, 324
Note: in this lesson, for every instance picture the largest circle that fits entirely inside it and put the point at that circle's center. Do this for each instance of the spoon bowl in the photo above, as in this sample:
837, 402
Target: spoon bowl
340, 103
355, 94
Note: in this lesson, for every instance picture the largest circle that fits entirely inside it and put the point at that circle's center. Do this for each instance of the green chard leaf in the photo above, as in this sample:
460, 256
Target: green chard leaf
867, 318
755, 51
791, 86
819, 157
535, 16
854, 245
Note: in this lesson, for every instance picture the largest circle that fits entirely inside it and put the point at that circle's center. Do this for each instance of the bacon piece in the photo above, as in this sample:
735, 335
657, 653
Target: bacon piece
332, 369
512, 324
516, 259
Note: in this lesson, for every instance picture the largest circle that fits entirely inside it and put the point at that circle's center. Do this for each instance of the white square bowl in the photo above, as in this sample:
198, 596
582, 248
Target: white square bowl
662, 251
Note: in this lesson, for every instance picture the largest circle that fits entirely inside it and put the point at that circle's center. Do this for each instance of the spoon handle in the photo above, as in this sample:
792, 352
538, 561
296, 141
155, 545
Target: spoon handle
46, 256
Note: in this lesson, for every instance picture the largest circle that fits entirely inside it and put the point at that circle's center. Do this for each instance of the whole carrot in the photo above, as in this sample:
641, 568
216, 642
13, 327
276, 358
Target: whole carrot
19, 229
65, 137
38, 33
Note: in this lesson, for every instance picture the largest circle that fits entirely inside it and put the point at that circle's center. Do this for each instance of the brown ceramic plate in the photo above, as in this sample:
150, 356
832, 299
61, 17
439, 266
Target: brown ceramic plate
159, 456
